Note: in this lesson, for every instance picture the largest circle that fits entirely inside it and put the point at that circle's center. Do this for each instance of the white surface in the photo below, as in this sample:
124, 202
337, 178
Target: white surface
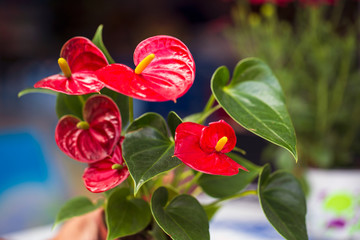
325, 184
242, 219
40, 233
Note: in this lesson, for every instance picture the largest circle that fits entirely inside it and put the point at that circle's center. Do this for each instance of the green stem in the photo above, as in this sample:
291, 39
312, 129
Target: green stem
205, 115
192, 181
131, 109
178, 173
209, 103
238, 195
341, 80
322, 105
81, 98
145, 190
239, 150
337, 12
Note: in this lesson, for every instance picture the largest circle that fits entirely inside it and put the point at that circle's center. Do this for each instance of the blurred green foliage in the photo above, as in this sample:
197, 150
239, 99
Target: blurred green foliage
315, 56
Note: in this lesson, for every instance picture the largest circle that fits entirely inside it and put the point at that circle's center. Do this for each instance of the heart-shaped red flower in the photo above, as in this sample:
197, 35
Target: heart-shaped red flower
79, 59
94, 138
165, 71
106, 174
203, 148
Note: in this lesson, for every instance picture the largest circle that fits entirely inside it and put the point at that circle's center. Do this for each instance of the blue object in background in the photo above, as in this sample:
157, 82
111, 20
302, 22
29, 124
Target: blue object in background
22, 160
31, 189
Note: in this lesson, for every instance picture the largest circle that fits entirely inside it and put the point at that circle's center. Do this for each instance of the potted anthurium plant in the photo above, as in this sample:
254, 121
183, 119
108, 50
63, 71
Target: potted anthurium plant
149, 169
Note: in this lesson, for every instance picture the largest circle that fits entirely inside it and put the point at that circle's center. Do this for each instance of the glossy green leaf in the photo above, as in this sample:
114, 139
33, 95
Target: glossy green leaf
283, 203
254, 99
98, 41
70, 104
76, 207
147, 149
157, 233
122, 102
36, 90
183, 218
125, 215
223, 186
173, 121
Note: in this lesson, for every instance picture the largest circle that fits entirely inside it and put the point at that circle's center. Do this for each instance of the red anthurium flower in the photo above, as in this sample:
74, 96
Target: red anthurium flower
94, 138
79, 59
106, 174
203, 148
165, 71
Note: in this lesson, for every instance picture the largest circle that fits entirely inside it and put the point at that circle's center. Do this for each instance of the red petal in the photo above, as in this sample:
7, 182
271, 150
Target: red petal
97, 142
78, 84
167, 77
187, 149
82, 55
214, 132
100, 177
122, 79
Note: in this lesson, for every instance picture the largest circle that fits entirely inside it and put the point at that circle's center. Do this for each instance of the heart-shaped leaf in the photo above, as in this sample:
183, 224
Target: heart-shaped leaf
173, 121
223, 186
183, 218
76, 207
283, 202
157, 233
124, 215
147, 149
254, 99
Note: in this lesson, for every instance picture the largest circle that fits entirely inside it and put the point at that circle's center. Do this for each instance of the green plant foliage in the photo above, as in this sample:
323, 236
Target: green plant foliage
122, 102
157, 233
183, 218
315, 56
173, 121
98, 41
125, 215
223, 186
70, 104
147, 149
35, 90
254, 99
76, 207
211, 210
283, 202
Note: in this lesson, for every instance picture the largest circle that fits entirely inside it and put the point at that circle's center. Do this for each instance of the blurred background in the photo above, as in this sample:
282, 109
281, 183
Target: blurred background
312, 46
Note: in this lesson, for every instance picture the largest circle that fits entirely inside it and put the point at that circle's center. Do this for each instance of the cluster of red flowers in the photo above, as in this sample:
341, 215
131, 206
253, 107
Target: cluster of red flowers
165, 70
285, 2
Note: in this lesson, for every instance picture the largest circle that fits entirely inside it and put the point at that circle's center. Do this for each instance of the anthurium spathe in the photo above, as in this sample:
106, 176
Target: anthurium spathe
203, 148
106, 174
79, 59
94, 138
165, 70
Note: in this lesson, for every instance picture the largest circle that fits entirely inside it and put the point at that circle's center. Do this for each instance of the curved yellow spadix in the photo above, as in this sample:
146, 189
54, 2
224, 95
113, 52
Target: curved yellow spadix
64, 66
221, 143
144, 63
